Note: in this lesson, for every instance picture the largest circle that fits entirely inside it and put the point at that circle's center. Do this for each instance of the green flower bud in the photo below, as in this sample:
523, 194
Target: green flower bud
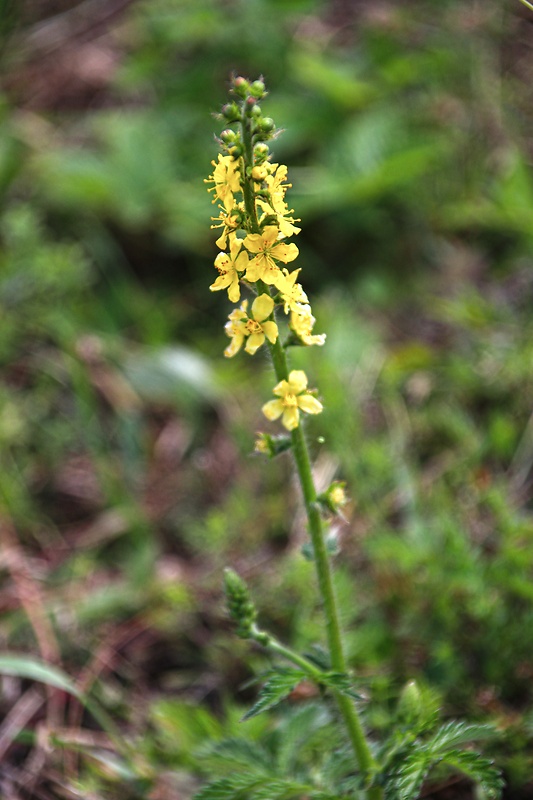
261, 152
241, 86
257, 89
265, 125
251, 108
272, 446
410, 703
235, 150
231, 112
240, 605
228, 136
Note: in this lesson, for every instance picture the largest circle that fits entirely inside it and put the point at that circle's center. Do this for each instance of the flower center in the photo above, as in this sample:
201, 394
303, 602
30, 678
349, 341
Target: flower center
253, 327
290, 400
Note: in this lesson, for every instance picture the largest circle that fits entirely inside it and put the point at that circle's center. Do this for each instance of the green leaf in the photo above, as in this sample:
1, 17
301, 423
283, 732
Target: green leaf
407, 782
280, 683
479, 769
279, 789
229, 753
21, 666
231, 788
453, 734
340, 682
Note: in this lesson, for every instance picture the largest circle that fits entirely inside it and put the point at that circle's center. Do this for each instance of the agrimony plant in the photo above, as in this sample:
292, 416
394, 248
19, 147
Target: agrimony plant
322, 750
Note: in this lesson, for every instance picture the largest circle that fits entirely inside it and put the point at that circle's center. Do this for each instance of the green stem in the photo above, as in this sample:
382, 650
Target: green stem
322, 562
270, 643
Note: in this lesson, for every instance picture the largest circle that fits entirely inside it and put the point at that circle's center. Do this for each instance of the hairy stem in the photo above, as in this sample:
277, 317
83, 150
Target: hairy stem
322, 562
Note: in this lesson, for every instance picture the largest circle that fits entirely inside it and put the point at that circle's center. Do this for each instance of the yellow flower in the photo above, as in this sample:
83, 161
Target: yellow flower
267, 247
292, 293
292, 397
277, 188
227, 179
229, 221
302, 322
253, 328
229, 265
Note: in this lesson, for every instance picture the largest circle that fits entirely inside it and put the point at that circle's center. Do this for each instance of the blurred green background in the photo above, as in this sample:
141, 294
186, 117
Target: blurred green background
126, 481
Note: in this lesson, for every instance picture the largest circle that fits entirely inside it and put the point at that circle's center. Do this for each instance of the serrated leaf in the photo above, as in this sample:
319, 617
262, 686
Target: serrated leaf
230, 788
280, 683
279, 789
229, 753
408, 780
340, 682
453, 734
479, 769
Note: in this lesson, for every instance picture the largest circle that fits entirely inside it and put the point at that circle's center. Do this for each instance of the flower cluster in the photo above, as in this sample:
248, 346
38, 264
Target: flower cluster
256, 223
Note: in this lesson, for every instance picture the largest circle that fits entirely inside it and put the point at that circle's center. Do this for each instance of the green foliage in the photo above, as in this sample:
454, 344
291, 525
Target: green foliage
121, 457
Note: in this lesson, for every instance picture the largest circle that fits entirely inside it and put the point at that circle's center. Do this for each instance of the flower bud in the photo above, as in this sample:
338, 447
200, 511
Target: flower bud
240, 606
265, 124
261, 152
241, 86
228, 136
251, 108
259, 173
257, 89
410, 703
235, 150
272, 446
231, 112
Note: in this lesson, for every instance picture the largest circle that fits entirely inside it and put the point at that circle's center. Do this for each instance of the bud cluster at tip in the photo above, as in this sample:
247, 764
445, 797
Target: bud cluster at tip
240, 605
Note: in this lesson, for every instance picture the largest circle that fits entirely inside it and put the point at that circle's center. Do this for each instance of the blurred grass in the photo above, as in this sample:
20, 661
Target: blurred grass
126, 478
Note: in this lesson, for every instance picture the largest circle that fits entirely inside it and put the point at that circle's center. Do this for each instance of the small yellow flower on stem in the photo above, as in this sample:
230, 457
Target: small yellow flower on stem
229, 265
229, 221
254, 328
302, 322
292, 293
227, 179
267, 247
292, 398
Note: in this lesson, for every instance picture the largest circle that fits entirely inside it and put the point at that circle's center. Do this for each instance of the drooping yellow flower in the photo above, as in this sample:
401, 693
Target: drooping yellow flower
227, 179
254, 328
229, 265
267, 247
229, 221
292, 398
292, 293
284, 222
302, 321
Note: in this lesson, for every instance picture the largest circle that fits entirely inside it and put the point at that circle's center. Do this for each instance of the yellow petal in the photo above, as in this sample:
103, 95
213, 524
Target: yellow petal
270, 330
234, 291
273, 409
222, 282
254, 343
285, 252
297, 381
253, 242
281, 389
291, 418
234, 346
270, 234
310, 404
262, 307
